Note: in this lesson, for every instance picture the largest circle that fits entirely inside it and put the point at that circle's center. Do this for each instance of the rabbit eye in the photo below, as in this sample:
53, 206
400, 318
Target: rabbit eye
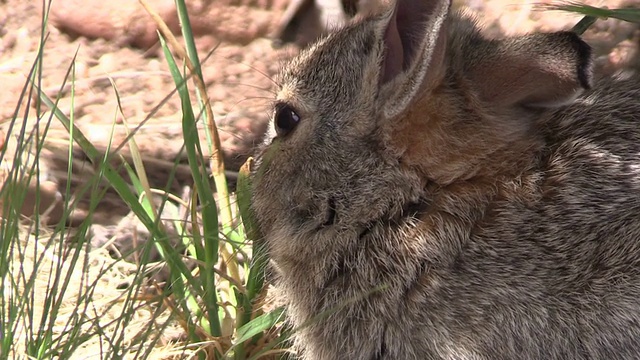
286, 119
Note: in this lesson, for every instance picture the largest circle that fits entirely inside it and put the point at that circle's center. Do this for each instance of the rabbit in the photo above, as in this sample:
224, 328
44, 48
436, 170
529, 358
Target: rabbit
426, 193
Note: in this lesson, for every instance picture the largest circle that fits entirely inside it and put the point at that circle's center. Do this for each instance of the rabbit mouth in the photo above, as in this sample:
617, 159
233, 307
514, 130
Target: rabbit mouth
331, 214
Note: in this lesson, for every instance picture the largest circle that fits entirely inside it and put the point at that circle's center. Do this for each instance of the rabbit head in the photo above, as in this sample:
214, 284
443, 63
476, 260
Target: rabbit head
371, 115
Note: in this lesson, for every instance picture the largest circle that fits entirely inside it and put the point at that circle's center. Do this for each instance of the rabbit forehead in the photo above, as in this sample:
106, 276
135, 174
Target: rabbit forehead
333, 75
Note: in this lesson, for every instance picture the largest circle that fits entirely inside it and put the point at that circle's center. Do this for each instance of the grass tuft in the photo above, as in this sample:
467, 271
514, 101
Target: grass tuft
64, 297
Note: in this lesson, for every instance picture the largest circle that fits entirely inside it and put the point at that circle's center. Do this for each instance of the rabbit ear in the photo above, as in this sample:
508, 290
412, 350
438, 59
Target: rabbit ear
414, 45
539, 70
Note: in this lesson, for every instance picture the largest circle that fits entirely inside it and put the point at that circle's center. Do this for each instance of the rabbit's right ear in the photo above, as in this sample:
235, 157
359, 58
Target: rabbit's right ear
414, 40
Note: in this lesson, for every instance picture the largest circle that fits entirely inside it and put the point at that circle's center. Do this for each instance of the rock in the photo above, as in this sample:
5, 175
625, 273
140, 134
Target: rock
38, 188
123, 21
126, 21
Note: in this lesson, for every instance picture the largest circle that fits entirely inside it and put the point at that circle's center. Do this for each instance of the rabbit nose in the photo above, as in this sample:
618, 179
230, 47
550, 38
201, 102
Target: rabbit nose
285, 119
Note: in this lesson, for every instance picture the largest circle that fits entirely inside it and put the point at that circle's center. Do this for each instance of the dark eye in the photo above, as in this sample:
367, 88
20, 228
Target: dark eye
286, 119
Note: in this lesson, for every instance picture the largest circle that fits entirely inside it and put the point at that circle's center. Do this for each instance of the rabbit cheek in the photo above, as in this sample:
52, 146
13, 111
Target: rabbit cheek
426, 143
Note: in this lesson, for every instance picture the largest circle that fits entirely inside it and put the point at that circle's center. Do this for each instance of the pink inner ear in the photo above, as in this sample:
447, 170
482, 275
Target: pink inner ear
393, 52
406, 31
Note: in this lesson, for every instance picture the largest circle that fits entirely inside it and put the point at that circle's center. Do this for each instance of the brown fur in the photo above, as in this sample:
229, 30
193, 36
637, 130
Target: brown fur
453, 200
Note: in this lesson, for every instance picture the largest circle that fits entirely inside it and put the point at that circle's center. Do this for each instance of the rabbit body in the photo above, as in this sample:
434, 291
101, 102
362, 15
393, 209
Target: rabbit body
459, 199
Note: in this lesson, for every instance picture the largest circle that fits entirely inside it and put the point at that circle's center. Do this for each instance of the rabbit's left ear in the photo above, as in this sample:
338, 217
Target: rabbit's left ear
537, 70
414, 42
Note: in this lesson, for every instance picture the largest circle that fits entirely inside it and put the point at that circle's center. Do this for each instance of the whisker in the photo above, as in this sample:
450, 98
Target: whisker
264, 74
247, 85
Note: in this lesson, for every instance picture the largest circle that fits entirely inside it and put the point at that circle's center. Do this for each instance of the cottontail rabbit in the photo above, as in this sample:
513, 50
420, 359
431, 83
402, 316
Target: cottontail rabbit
426, 193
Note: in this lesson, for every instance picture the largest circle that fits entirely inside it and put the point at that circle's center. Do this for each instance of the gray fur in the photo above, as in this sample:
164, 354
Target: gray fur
527, 247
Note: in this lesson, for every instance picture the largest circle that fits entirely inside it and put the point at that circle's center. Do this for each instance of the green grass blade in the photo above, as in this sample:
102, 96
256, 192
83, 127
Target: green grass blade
629, 14
205, 195
255, 276
213, 142
584, 24
259, 324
